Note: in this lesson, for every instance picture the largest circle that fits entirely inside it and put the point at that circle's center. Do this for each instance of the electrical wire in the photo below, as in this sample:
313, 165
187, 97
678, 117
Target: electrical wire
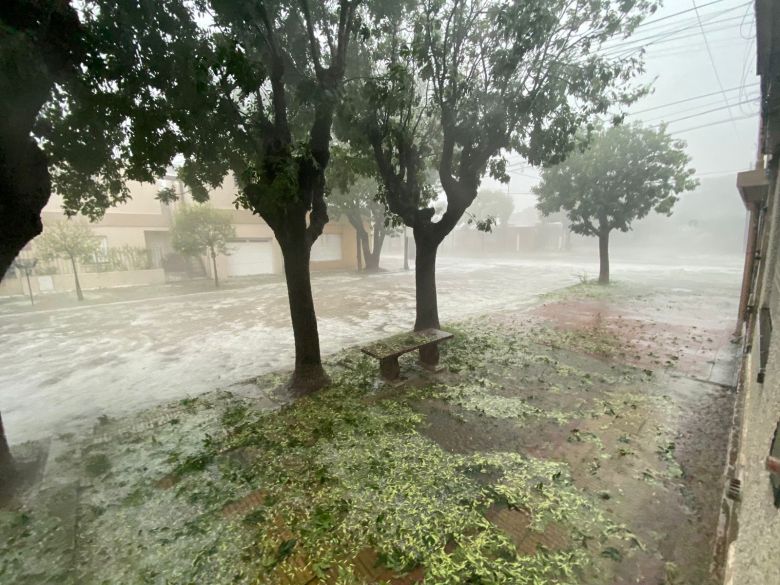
712, 61
714, 123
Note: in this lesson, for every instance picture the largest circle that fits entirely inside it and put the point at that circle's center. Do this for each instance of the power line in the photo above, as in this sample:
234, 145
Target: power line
712, 61
690, 99
704, 113
626, 49
672, 30
649, 22
688, 49
714, 123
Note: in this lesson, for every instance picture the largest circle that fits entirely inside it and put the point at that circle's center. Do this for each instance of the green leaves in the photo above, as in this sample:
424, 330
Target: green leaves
625, 172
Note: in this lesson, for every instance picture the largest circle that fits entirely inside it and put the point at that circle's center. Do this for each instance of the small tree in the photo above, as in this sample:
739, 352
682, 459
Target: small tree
626, 172
70, 240
201, 229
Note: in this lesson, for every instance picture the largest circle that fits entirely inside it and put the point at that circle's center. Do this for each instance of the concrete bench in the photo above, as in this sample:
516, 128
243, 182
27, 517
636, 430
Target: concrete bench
389, 350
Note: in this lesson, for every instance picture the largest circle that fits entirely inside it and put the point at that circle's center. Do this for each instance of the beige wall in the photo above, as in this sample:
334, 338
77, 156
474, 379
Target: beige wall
753, 556
142, 200
224, 196
121, 236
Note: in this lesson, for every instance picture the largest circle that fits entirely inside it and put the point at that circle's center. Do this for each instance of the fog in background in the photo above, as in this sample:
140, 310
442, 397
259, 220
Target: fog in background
703, 71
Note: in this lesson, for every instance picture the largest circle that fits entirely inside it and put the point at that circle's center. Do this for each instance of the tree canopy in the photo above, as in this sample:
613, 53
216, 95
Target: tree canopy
622, 174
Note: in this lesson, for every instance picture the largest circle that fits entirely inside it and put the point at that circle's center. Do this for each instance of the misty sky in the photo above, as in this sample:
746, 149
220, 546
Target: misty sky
678, 60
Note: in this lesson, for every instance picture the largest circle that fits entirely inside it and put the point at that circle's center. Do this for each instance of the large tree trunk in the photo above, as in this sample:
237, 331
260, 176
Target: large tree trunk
425, 288
24, 191
79, 294
7, 468
604, 257
425, 283
309, 375
40, 44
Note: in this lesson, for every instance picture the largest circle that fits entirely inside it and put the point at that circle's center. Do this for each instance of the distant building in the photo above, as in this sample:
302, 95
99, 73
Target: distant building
140, 232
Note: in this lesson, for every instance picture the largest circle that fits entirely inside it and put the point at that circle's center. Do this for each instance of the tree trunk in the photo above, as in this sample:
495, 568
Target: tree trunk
406, 250
24, 191
425, 289
357, 251
366, 249
309, 375
214, 266
7, 468
372, 260
29, 287
79, 294
52, 46
604, 257
425, 283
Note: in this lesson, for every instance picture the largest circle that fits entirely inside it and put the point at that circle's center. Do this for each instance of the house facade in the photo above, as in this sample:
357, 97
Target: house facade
136, 247
751, 523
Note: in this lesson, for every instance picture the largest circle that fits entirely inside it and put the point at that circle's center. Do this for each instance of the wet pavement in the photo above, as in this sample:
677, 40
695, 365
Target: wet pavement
63, 368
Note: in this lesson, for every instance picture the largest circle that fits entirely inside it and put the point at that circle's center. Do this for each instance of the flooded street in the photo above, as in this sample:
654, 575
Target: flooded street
64, 367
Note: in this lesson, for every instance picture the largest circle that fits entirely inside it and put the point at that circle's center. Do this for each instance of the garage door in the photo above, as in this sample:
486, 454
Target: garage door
247, 258
326, 248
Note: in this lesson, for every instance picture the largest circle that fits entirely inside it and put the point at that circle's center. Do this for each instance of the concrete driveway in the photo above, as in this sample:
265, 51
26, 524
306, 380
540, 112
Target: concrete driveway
63, 368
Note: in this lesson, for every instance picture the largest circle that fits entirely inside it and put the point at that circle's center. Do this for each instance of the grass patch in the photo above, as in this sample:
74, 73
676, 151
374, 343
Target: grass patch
97, 464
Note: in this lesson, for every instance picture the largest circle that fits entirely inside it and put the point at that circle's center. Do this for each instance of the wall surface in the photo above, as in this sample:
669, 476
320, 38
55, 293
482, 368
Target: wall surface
753, 558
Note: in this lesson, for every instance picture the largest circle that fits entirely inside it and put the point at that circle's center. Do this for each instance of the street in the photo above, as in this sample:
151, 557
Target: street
63, 368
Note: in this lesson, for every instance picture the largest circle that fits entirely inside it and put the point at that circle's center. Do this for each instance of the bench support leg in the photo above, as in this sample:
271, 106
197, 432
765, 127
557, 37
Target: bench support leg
429, 355
389, 368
